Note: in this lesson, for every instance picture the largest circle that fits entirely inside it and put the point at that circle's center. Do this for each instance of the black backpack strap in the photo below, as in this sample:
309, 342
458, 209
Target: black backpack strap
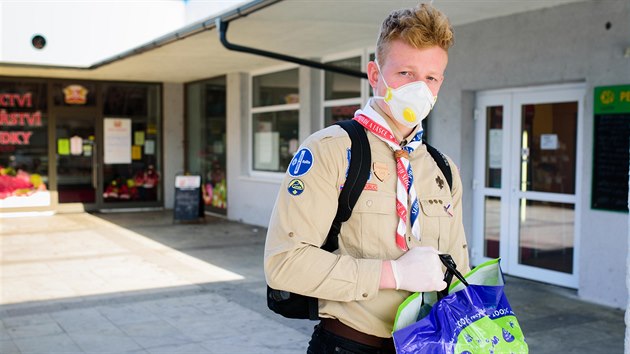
358, 173
442, 163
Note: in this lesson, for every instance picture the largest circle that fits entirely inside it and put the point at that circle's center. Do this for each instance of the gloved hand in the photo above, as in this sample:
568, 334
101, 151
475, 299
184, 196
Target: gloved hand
419, 270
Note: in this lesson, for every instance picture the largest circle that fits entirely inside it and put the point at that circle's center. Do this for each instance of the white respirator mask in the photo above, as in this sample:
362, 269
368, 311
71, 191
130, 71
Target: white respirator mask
409, 103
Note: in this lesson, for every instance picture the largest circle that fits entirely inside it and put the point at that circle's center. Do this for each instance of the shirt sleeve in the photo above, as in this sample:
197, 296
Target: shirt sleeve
458, 247
305, 208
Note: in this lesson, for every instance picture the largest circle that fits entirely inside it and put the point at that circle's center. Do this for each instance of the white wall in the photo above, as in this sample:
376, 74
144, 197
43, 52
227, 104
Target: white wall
250, 199
251, 196
80, 33
563, 44
173, 133
530, 49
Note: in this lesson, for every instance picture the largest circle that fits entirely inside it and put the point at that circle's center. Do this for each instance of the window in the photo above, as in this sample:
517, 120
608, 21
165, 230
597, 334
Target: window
23, 141
340, 86
342, 93
275, 120
206, 140
135, 107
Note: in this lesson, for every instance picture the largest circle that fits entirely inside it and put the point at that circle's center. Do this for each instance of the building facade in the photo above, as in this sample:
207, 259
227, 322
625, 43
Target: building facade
525, 113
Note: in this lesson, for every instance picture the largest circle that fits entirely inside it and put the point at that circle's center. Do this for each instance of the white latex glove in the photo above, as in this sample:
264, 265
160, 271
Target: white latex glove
419, 270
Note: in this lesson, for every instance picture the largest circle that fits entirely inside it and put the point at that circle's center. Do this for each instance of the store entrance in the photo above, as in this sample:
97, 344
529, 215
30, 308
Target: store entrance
526, 173
77, 174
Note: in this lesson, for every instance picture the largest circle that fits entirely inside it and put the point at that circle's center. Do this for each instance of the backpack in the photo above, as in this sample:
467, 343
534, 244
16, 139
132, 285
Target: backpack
298, 306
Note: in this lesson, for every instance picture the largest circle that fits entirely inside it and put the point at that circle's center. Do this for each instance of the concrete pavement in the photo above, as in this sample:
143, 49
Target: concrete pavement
139, 283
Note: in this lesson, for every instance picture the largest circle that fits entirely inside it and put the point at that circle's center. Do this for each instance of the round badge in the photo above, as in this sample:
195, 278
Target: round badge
301, 163
296, 187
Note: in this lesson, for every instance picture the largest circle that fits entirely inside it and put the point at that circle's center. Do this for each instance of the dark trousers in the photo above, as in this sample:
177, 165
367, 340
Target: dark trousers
324, 342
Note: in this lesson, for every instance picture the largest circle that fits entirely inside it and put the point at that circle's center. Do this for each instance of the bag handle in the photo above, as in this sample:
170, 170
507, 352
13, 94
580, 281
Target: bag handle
451, 270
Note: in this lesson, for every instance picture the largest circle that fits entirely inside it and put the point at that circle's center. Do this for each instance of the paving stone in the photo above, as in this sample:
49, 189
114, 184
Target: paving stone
61, 343
8, 347
34, 330
125, 314
91, 342
145, 285
189, 348
154, 334
84, 320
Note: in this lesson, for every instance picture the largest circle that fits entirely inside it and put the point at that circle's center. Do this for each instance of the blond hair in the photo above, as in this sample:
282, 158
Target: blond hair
420, 27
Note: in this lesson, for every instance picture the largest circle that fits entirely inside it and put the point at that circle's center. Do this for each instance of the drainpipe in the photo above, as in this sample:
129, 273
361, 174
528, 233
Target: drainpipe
222, 26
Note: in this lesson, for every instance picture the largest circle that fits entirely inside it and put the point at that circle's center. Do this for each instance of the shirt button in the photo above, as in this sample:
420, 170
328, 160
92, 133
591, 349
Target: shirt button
430, 201
364, 295
291, 234
440, 201
368, 203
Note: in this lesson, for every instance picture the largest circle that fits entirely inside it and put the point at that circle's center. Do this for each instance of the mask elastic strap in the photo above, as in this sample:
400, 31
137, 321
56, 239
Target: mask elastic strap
380, 72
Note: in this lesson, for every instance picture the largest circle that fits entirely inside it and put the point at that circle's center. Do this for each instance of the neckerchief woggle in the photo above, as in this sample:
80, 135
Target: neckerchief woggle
405, 191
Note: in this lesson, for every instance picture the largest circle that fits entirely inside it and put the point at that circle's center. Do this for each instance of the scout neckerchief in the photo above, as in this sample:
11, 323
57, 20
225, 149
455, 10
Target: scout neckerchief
405, 190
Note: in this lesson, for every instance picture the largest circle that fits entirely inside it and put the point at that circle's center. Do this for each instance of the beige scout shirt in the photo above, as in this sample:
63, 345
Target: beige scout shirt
347, 282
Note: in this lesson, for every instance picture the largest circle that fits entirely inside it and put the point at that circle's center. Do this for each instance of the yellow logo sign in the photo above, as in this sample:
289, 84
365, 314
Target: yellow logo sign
607, 97
75, 94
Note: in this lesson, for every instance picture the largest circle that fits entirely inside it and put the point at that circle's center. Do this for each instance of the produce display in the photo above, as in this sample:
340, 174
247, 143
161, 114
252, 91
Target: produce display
132, 188
19, 183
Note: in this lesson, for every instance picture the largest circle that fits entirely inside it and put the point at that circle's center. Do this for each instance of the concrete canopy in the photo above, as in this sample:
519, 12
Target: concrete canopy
300, 28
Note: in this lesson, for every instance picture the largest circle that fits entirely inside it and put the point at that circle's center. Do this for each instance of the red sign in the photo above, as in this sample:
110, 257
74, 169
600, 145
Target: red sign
17, 119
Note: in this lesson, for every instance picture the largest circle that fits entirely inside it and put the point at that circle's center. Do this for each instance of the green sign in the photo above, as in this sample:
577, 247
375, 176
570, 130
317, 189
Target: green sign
612, 99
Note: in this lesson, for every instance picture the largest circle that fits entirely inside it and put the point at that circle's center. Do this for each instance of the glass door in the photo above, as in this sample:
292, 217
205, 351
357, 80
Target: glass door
528, 200
76, 159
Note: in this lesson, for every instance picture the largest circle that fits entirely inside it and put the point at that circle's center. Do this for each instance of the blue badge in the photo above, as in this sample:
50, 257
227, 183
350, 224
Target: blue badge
301, 163
296, 187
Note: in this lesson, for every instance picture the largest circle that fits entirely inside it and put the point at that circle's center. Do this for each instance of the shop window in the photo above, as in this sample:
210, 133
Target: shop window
275, 140
23, 144
275, 120
131, 139
206, 140
279, 88
126, 100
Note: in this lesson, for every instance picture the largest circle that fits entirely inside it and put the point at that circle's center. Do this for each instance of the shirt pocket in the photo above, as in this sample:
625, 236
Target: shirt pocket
372, 226
435, 222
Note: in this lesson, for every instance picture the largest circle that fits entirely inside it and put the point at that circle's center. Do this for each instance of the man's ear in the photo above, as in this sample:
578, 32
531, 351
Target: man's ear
372, 72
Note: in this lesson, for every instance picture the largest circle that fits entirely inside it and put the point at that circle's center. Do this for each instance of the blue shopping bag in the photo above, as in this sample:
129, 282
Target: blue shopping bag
471, 319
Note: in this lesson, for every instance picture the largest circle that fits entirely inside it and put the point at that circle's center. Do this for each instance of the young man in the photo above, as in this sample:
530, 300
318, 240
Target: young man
406, 215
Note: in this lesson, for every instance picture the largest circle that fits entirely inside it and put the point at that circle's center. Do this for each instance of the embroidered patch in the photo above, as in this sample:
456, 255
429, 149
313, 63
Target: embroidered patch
447, 209
301, 163
370, 187
348, 157
381, 171
296, 187
440, 182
